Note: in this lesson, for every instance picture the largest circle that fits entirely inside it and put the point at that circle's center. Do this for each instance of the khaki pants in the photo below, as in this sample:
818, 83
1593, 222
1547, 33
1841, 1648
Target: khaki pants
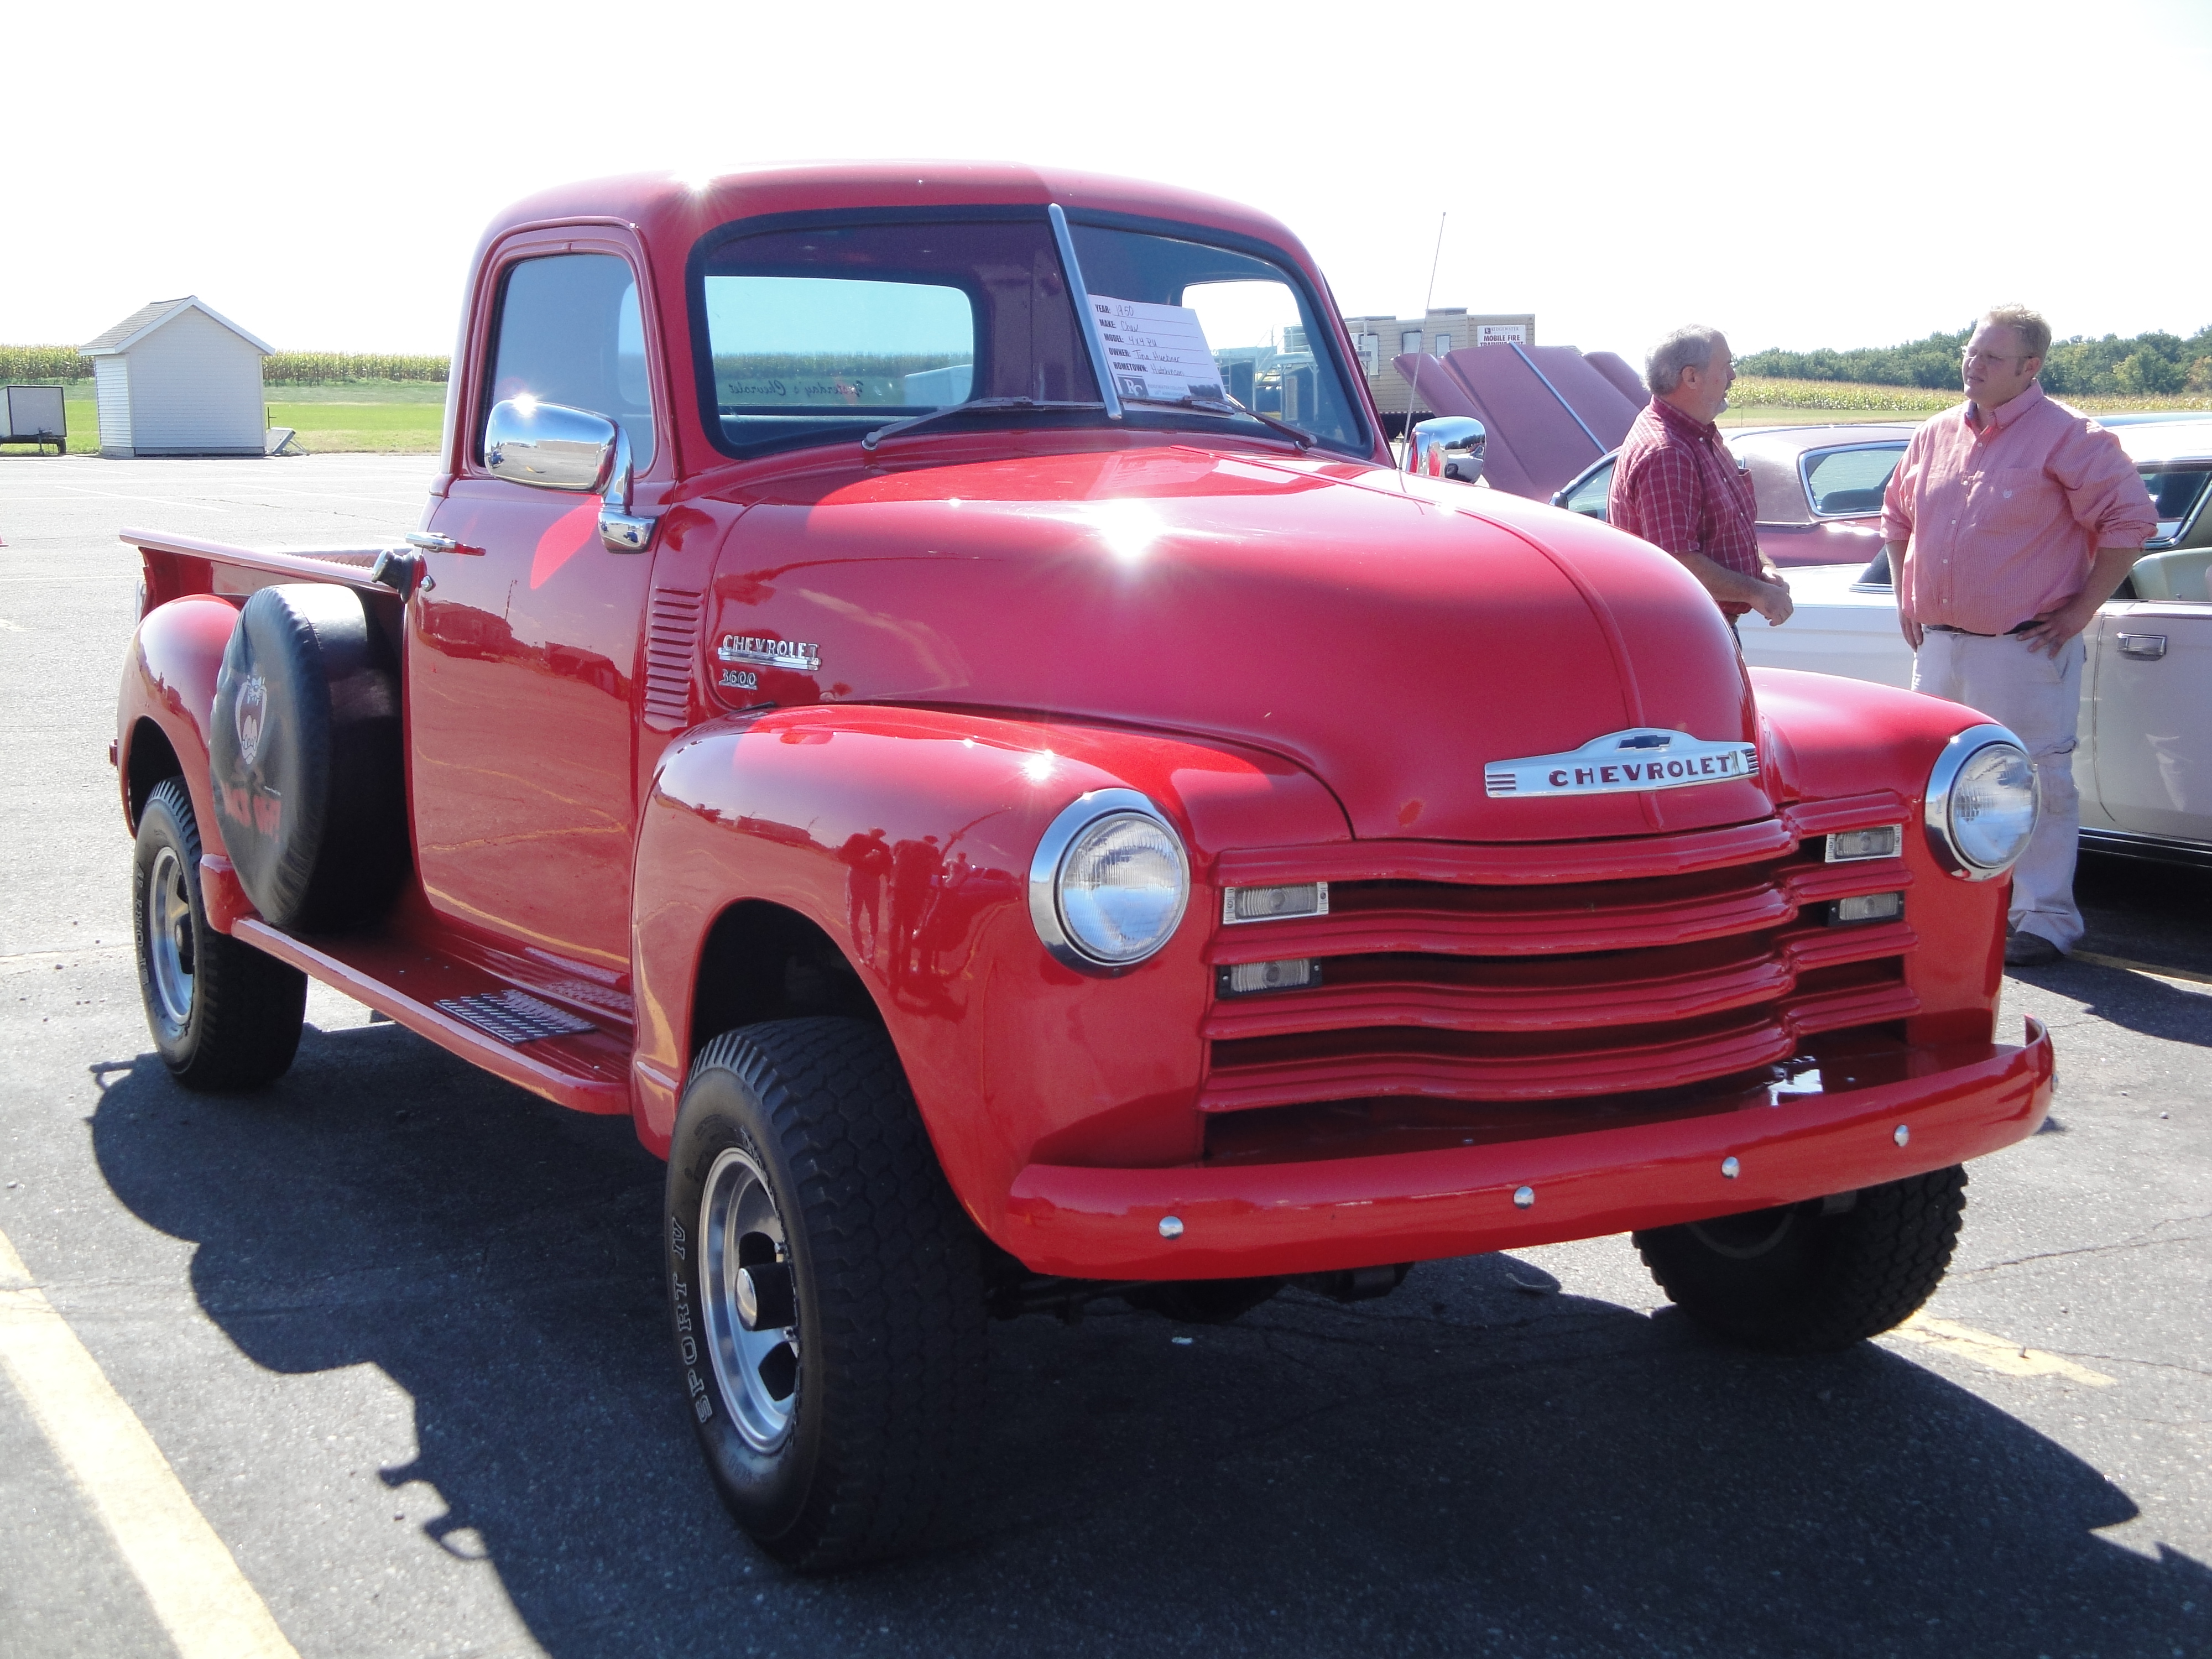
2040, 698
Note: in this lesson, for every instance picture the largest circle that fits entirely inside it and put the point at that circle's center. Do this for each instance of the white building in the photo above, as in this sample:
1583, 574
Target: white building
1378, 340
178, 377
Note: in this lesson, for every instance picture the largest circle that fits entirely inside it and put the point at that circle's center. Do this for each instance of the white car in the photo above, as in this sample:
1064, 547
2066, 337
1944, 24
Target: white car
2144, 763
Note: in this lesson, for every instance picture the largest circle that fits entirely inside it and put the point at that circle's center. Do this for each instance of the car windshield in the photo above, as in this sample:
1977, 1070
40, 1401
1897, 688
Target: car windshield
1841, 483
833, 331
2176, 494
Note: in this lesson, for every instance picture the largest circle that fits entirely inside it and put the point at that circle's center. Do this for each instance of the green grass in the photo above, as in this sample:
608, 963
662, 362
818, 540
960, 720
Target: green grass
388, 417
333, 428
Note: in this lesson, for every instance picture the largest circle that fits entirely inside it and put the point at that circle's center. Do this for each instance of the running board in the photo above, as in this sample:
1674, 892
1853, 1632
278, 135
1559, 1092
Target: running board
491, 1023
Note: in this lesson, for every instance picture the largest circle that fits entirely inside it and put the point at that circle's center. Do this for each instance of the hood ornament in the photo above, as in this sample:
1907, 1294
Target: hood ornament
1642, 757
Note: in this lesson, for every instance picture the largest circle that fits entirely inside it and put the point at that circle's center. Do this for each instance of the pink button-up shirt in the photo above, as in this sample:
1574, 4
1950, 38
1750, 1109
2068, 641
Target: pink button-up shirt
2002, 520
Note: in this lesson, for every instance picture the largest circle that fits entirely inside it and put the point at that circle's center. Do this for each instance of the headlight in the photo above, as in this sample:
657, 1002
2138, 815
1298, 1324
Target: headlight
1109, 882
1982, 803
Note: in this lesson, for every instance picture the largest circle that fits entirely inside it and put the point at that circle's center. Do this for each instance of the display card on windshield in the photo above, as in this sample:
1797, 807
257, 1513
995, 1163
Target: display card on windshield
1156, 352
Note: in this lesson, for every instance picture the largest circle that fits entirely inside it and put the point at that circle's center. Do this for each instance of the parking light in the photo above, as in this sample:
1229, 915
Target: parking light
1307, 898
1848, 846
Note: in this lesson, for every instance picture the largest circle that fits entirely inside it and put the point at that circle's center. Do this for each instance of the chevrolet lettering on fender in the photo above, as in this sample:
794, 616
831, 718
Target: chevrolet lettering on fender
1642, 759
978, 976
769, 654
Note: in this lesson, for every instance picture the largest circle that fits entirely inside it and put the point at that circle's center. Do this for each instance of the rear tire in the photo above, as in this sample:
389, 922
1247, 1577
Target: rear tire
798, 1157
1796, 1279
223, 1015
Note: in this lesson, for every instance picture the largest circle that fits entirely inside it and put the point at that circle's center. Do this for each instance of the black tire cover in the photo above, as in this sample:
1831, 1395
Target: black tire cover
303, 758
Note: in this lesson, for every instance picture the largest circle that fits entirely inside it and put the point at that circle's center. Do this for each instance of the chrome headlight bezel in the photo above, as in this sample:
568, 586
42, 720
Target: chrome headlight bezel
1963, 749
1049, 866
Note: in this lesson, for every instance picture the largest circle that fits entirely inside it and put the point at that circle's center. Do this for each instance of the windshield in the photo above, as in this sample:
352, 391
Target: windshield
828, 332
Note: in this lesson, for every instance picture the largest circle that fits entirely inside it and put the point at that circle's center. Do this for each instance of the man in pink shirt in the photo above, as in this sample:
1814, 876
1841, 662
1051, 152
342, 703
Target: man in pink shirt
2010, 519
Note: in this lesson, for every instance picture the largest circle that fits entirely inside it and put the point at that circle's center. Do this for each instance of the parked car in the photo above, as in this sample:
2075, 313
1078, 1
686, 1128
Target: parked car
1818, 489
1011, 825
2144, 763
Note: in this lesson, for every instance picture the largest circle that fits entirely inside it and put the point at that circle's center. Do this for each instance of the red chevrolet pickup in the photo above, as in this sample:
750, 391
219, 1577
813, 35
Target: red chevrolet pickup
924, 688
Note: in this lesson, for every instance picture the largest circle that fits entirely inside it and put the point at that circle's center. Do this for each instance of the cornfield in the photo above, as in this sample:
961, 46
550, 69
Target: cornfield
57, 362
322, 368
47, 362
1762, 391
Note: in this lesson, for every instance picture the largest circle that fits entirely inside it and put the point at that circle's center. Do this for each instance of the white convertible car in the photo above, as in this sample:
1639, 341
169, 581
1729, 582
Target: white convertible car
2144, 765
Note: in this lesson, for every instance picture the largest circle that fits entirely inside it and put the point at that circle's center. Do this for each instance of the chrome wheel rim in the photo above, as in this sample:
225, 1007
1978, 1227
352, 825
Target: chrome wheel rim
170, 940
757, 1370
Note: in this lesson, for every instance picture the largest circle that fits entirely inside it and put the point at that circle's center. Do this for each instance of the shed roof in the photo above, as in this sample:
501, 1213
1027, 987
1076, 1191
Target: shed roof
144, 320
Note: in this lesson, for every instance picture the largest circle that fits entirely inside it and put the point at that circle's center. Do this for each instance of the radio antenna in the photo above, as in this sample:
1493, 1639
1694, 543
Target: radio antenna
1431, 301
1413, 385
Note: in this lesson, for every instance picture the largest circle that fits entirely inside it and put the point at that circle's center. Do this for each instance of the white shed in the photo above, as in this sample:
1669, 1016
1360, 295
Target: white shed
178, 377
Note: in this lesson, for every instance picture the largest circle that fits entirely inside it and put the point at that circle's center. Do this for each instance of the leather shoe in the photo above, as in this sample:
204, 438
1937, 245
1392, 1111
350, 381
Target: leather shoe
2026, 949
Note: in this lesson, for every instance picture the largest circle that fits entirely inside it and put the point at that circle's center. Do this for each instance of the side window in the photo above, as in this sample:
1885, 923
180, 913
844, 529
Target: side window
569, 333
1850, 480
1589, 498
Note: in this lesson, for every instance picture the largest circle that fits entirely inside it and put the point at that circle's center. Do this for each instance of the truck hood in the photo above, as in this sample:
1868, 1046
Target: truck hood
1395, 637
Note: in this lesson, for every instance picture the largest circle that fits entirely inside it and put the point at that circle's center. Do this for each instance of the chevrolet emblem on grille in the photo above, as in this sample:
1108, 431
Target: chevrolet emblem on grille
1646, 758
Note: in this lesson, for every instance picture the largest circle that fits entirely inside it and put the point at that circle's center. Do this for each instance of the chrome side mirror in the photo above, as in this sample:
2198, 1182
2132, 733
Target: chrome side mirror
552, 446
1449, 447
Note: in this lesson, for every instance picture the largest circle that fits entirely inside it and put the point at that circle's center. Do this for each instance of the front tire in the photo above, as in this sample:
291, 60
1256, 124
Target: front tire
223, 1015
1801, 1280
802, 1187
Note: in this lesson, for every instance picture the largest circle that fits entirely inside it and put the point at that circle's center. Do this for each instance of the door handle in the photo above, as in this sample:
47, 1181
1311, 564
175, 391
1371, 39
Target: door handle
430, 542
2144, 647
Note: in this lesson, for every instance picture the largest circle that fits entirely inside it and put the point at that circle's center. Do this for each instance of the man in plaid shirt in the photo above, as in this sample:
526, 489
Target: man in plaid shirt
1676, 485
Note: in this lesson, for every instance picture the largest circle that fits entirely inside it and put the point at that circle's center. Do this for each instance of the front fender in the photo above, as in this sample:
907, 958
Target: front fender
1839, 739
906, 836
168, 680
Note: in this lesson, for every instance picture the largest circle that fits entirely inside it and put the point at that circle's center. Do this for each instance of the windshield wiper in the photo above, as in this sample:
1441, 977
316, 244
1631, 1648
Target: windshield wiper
974, 403
1303, 439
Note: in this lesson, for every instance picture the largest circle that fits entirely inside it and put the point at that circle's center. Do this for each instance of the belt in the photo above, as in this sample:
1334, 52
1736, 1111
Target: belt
1946, 628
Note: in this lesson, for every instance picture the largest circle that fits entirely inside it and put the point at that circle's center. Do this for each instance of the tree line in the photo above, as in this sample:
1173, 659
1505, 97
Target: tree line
2143, 364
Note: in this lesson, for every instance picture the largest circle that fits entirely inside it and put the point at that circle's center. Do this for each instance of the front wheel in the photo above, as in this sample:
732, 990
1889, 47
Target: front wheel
827, 1292
1810, 1277
223, 1014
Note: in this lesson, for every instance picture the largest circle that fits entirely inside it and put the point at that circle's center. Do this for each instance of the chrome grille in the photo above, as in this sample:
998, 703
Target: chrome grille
1503, 974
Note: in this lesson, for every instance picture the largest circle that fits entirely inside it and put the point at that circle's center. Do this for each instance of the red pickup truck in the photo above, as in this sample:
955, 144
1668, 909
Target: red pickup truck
923, 687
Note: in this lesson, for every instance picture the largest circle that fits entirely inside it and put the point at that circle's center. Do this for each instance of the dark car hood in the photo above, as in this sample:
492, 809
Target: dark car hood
1392, 637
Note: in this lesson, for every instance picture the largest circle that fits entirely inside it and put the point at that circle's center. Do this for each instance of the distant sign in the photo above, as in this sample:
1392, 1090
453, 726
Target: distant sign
1156, 351
1501, 334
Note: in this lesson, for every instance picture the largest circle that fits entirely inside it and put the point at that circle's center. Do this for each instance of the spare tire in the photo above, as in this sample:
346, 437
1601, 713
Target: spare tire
304, 758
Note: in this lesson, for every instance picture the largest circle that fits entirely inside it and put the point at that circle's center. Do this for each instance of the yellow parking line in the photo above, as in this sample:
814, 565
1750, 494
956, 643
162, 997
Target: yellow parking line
202, 1598
2155, 972
1998, 1353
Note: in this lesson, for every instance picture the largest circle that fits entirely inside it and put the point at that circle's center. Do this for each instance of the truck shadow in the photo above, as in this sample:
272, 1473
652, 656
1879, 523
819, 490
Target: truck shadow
1473, 1465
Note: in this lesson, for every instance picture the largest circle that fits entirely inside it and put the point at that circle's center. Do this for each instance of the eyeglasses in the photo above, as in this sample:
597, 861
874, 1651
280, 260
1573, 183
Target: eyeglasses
1966, 357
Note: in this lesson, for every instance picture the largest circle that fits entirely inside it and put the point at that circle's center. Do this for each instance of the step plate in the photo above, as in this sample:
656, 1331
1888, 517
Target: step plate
514, 1016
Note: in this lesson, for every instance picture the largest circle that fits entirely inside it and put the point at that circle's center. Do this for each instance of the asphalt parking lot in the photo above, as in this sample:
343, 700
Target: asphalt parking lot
396, 1327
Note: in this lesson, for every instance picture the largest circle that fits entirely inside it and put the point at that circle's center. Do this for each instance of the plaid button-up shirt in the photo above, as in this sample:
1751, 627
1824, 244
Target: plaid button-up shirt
1676, 485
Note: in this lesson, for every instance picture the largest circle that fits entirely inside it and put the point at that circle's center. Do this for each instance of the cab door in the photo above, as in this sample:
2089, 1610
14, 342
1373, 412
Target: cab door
524, 647
2153, 750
